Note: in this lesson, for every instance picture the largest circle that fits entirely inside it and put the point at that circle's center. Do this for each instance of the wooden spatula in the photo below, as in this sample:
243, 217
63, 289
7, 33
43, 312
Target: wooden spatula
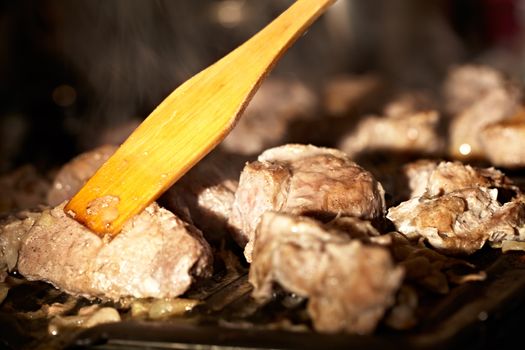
187, 125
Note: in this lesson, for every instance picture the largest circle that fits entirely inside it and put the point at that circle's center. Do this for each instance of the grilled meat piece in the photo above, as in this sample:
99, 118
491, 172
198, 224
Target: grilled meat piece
503, 142
266, 119
417, 175
465, 129
302, 180
409, 102
461, 221
410, 127
74, 174
12, 229
437, 178
347, 95
465, 85
414, 133
349, 285
455, 207
156, 255
451, 176
204, 196
476, 96
508, 224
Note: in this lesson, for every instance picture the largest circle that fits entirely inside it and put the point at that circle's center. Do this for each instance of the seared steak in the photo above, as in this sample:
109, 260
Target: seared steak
204, 196
156, 255
437, 178
266, 120
12, 229
466, 84
451, 176
302, 179
461, 221
504, 142
349, 285
416, 175
414, 133
350, 95
409, 102
455, 207
476, 96
465, 129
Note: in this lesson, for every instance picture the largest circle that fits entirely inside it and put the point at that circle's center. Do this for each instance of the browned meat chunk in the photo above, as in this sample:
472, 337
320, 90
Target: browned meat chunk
266, 120
465, 129
452, 176
456, 205
409, 102
476, 96
352, 95
12, 229
508, 224
466, 84
504, 142
417, 175
302, 179
415, 133
156, 255
349, 285
204, 196
461, 221
432, 178
72, 176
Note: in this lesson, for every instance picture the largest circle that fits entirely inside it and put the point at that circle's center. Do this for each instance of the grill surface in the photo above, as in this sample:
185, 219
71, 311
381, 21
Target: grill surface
477, 315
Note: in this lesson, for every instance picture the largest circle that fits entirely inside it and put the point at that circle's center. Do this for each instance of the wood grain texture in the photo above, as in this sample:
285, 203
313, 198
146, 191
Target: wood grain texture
186, 126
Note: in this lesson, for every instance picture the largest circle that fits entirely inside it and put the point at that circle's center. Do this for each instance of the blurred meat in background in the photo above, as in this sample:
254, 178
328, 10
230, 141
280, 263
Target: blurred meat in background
79, 74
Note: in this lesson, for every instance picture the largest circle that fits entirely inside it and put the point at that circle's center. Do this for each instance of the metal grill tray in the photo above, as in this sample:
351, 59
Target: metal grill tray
476, 315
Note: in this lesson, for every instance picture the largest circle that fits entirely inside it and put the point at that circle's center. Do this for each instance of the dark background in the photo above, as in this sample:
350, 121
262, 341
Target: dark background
70, 70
